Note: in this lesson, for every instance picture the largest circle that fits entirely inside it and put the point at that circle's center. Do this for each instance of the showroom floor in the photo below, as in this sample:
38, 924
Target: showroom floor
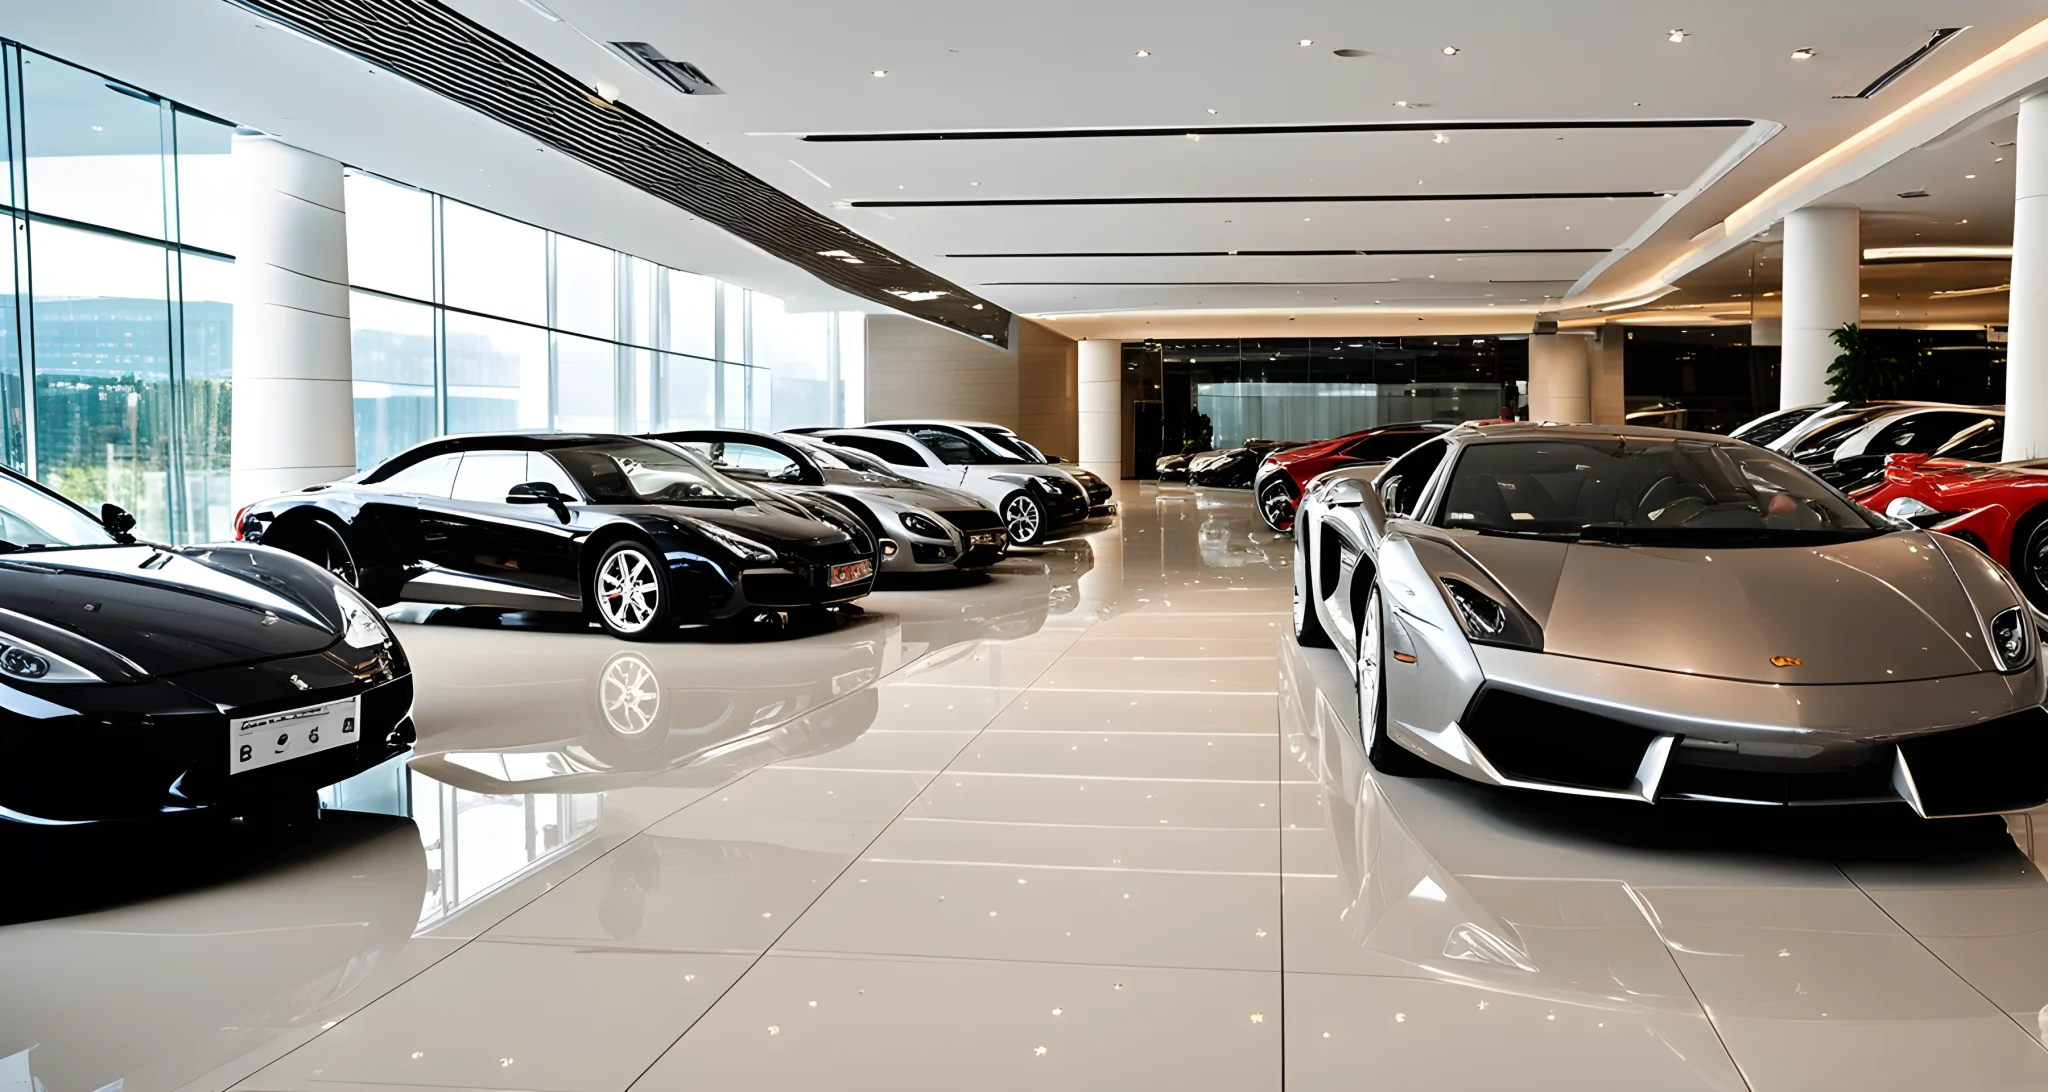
1095, 823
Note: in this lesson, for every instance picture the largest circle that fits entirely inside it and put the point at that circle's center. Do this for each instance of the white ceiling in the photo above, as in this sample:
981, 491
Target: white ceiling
793, 67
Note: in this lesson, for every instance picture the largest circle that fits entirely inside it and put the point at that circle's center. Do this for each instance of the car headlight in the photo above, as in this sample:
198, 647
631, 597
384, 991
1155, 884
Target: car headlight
27, 662
1487, 620
1915, 511
2011, 644
360, 625
919, 524
742, 547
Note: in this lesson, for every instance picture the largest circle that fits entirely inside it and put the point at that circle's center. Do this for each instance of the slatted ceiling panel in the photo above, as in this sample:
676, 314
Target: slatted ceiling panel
441, 50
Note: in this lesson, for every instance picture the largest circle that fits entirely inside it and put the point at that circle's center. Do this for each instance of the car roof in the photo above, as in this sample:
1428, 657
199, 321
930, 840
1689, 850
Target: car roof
943, 421
873, 434
1546, 430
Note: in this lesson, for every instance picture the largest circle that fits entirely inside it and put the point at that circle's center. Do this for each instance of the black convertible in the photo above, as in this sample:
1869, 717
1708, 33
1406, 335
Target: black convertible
138, 679
642, 534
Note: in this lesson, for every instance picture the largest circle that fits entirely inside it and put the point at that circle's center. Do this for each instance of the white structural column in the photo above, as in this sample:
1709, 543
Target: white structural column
1560, 381
2026, 349
1823, 279
294, 407
1098, 401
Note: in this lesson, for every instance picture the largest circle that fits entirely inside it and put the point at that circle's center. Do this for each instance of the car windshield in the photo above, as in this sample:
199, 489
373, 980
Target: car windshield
625, 472
32, 519
1647, 491
1012, 443
852, 466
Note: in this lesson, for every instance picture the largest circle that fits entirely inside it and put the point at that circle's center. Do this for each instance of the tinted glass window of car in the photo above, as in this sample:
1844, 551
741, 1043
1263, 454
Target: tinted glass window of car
1823, 440
1408, 475
486, 476
1774, 426
1984, 444
951, 450
848, 466
31, 517
1386, 445
542, 467
433, 477
626, 472
888, 451
1920, 432
750, 461
1644, 491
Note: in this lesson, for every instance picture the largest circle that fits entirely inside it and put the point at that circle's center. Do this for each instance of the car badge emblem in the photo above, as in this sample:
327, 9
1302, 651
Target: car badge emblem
1785, 661
301, 683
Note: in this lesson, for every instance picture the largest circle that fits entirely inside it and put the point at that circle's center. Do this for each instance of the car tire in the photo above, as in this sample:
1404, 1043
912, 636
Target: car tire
1385, 755
1273, 499
1308, 625
631, 593
2028, 559
1024, 519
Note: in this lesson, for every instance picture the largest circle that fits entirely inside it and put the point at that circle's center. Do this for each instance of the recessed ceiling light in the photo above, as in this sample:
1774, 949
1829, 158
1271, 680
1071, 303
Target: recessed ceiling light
1441, 139
1306, 42
1143, 53
1803, 54
1969, 176
1450, 51
1212, 109
879, 73
1676, 35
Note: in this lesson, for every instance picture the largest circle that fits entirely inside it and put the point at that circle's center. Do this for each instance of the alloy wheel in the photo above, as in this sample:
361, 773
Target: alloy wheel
627, 592
1276, 506
1021, 516
332, 554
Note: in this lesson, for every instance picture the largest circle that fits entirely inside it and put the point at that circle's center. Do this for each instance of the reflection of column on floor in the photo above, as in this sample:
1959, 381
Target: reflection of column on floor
1102, 586
2026, 350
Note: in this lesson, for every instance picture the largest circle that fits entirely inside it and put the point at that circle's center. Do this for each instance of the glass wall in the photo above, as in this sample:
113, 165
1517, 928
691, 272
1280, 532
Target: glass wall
467, 321
116, 296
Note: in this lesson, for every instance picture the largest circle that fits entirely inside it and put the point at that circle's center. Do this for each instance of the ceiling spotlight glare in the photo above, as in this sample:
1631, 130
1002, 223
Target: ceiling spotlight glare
1803, 54
1212, 109
977, 307
1677, 35
1306, 42
1969, 176
1441, 139
879, 73
1143, 53
1450, 51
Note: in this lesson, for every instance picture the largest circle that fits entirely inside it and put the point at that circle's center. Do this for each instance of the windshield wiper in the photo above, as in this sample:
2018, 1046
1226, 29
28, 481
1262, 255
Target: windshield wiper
1508, 532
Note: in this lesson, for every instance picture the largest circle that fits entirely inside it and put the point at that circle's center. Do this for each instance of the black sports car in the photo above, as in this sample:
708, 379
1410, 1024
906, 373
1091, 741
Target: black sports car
642, 534
1234, 467
1174, 468
137, 679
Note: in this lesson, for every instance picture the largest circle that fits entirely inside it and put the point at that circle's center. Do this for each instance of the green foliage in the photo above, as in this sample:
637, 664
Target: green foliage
1862, 372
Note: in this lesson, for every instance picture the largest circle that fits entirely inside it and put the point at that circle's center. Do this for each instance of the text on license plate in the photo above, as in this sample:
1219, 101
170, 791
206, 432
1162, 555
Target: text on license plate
852, 571
256, 742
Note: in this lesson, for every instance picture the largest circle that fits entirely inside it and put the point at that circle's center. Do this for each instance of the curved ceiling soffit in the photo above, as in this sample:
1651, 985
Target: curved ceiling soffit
1979, 93
443, 51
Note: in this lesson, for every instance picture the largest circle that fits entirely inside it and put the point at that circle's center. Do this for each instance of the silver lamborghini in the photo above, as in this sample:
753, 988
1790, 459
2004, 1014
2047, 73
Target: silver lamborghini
1651, 615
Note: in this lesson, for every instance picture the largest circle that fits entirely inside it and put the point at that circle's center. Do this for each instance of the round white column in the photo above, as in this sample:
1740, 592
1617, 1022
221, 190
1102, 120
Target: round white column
1099, 403
2026, 347
1560, 380
294, 391
1823, 291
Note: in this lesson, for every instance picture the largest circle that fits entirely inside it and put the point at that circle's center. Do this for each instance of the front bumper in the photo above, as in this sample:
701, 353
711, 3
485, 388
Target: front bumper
1965, 745
90, 753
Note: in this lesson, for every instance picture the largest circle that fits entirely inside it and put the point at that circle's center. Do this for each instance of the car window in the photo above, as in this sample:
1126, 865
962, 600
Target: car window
1770, 428
1012, 443
1983, 443
750, 461
542, 467
951, 450
433, 477
1828, 436
851, 466
1920, 432
629, 472
31, 517
486, 476
1402, 482
889, 451
1385, 445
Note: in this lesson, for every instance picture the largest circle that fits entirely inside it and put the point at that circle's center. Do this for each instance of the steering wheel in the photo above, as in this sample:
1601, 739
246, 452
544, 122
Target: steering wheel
1658, 501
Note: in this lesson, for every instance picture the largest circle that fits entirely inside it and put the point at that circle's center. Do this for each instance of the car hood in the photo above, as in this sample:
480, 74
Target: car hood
770, 521
1290, 456
1884, 609
911, 496
170, 611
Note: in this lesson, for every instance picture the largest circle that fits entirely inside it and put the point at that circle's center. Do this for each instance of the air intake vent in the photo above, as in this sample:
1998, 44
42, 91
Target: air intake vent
681, 75
1891, 75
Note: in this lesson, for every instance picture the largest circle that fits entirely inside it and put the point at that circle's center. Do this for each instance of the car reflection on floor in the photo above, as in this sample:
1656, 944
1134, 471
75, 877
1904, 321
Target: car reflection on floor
1601, 939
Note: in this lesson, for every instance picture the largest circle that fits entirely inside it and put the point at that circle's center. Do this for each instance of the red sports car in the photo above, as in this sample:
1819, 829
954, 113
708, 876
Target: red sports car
2000, 508
1280, 479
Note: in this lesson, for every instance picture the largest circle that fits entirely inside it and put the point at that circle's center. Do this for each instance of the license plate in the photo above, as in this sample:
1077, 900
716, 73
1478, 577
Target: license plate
852, 571
256, 742
985, 538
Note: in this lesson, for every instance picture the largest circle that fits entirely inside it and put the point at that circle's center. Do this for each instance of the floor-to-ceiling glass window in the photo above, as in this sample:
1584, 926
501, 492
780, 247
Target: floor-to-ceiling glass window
117, 296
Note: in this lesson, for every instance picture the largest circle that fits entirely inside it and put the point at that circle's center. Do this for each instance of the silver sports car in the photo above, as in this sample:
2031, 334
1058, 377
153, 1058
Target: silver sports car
1651, 615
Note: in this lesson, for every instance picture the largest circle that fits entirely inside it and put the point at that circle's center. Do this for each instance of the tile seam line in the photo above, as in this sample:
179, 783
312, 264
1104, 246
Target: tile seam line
1280, 762
2031, 1036
477, 934
822, 891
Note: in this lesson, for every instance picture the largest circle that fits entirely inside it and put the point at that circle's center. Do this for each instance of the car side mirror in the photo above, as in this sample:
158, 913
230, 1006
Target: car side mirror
535, 493
118, 521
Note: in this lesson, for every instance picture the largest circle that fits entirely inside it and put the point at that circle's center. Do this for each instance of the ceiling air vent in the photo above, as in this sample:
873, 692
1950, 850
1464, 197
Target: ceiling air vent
681, 75
1934, 41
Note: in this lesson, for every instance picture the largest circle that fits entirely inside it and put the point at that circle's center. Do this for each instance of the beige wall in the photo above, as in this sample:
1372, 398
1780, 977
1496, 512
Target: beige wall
1047, 383
916, 369
1609, 408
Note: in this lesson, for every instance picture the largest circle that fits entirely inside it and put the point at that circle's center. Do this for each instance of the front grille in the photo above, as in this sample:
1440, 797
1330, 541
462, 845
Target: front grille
1999, 765
972, 519
776, 590
1688, 778
1529, 739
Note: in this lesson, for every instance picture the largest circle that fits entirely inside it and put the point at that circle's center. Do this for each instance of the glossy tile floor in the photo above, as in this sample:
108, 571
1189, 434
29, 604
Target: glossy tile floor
1095, 822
